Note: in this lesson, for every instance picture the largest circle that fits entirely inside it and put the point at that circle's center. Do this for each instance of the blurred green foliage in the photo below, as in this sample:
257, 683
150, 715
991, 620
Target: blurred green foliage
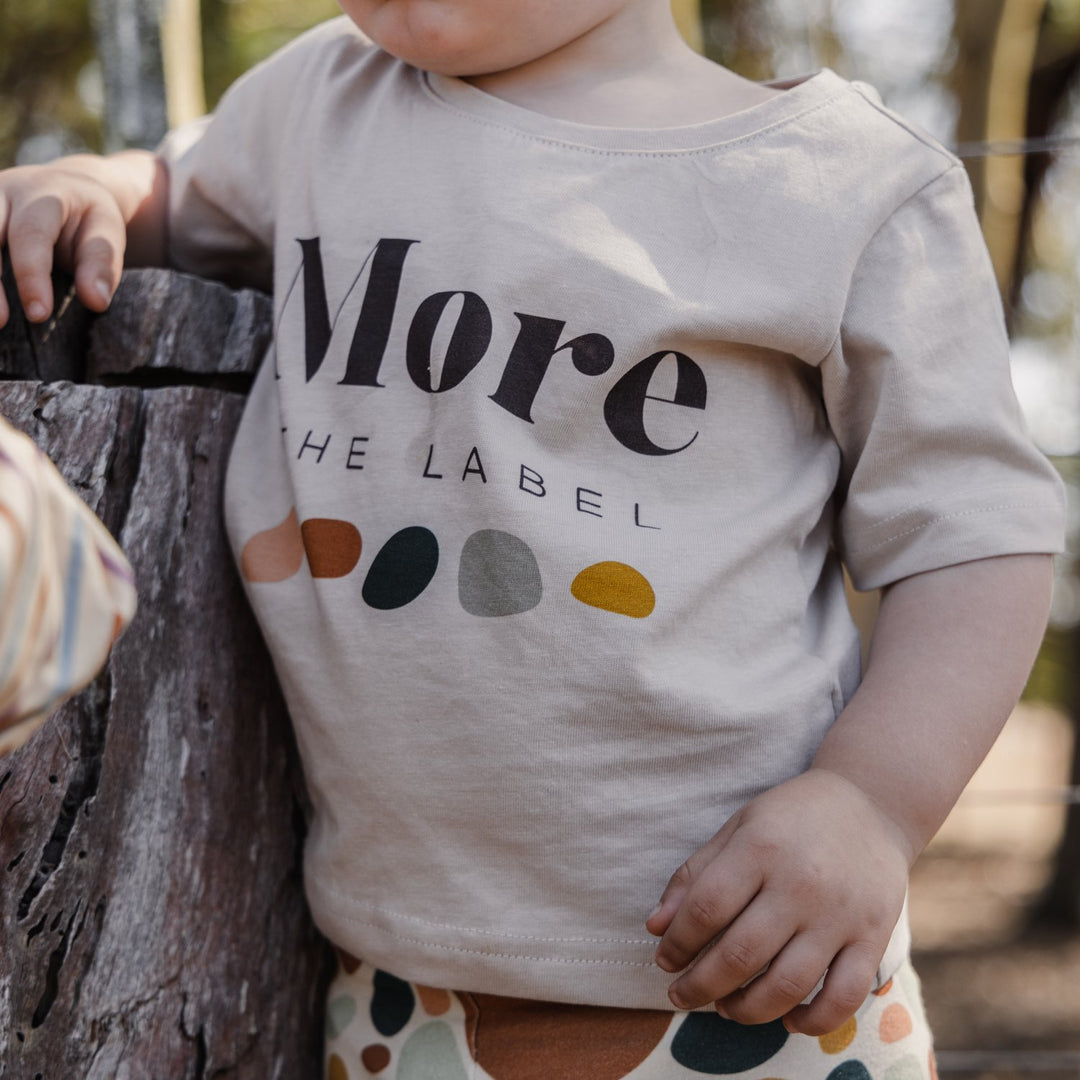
239, 33
45, 48
50, 85
1051, 676
1064, 14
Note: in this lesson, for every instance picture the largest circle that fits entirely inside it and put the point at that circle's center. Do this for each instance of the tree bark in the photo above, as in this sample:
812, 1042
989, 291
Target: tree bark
152, 918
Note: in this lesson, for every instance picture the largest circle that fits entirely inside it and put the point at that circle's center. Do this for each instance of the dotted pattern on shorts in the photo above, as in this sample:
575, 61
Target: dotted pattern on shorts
379, 1025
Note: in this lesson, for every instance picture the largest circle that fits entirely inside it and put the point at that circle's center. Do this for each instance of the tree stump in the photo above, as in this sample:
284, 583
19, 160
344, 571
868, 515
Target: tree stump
152, 918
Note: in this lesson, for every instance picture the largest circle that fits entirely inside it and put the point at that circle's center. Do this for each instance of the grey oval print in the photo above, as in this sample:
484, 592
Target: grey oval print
498, 575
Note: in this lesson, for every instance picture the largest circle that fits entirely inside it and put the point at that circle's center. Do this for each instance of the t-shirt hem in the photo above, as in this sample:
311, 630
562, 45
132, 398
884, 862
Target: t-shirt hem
587, 970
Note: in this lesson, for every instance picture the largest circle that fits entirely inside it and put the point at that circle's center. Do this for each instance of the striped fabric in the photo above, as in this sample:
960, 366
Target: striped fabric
66, 590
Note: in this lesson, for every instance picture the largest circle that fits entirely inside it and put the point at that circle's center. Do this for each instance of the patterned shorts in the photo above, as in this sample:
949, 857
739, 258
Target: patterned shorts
377, 1024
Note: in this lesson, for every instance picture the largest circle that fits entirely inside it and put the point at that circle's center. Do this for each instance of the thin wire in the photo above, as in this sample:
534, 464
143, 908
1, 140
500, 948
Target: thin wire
1015, 147
977, 1061
1069, 796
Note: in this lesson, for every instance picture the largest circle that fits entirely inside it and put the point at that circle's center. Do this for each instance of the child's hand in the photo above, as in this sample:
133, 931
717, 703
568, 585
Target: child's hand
47, 208
807, 878
84, 211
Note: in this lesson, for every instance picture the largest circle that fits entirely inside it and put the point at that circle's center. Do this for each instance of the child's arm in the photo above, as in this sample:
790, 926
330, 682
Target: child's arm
94, 213
812, 874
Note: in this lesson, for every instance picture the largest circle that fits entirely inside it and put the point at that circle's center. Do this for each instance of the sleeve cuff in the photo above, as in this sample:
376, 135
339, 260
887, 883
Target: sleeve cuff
934, 535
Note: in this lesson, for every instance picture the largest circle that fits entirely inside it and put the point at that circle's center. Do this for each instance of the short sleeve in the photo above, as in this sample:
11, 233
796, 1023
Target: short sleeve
66, 590
228, 173
220, 217
937, 467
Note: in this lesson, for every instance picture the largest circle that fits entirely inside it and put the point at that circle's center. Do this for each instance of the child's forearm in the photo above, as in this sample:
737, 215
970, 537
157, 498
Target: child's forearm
949, 658
808, 879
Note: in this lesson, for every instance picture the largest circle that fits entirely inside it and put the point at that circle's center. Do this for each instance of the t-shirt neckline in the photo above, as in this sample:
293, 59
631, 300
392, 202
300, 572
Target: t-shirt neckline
801, 94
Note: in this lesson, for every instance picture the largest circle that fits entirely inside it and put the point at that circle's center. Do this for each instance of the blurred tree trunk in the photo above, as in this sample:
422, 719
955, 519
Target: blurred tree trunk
151, 56
1055, 72
1059, 904
152, 916
181, 45
129, 44
737, 35
997, 42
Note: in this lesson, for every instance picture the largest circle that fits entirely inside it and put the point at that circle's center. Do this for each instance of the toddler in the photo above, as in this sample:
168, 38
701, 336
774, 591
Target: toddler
594, 364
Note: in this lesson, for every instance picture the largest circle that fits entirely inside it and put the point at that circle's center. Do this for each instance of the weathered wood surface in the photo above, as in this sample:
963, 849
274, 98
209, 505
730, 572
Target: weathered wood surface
152, 920
49, 352
161, 328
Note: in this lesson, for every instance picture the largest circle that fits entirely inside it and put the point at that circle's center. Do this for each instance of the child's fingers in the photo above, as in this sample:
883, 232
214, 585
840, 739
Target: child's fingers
792, 975
680, 882
676, 888
848, 983
5, 210
99, 256
752, 941
721, 890
32, 234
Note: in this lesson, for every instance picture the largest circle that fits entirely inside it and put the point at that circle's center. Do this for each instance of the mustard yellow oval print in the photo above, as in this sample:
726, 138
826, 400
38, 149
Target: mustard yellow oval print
615, 587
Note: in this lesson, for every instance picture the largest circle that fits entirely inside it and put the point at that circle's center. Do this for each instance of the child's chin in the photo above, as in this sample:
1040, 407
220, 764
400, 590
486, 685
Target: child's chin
448, 61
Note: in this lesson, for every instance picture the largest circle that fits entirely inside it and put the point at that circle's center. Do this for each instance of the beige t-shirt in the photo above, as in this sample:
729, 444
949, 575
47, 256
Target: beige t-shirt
542, 495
